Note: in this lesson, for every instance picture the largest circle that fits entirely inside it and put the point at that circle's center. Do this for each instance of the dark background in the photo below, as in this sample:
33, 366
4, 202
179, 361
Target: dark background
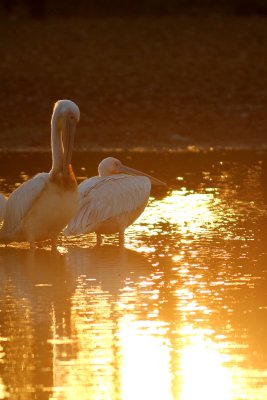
45, 8
153, 73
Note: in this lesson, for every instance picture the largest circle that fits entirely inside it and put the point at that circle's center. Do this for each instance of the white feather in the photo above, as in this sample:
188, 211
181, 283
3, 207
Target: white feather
3, 202
20, 201
108, 204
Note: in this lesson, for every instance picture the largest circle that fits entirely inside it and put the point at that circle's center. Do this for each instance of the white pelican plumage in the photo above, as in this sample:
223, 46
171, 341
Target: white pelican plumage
3, 201
110, 202
42, 206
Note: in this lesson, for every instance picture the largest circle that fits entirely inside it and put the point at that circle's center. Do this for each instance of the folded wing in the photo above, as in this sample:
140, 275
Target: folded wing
101, 198
20, 201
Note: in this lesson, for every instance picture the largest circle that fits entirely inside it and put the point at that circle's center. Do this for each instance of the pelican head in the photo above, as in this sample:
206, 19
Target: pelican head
111, 166
66, 115
63, 108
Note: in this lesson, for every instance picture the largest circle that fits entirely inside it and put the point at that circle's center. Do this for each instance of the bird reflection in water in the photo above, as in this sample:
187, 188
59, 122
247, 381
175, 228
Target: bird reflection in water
107, 266
35, 294
60, 315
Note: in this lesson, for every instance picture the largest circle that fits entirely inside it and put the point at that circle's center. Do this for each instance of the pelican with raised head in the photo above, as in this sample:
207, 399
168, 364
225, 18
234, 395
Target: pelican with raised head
110, 202
42, 206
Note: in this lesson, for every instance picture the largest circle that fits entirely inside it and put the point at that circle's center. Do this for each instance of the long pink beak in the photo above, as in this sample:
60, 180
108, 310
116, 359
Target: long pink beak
131, 171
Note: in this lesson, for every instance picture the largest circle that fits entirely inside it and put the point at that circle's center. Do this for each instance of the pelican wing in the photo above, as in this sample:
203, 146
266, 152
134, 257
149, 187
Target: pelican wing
3, 201
21, 200
101, 198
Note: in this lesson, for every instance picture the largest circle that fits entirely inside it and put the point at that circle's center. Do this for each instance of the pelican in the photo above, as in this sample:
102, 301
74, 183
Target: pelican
42, 206
110, 202
2, 206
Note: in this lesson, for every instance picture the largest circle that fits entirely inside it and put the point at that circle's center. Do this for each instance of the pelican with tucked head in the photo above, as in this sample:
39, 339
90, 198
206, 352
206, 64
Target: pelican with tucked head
42, 206
110, 202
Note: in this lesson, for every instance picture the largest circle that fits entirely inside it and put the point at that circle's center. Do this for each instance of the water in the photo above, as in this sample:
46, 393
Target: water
179, 314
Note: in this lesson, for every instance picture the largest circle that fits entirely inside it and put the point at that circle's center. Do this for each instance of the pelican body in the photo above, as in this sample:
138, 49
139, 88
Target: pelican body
2, 207
112, 201
42, 206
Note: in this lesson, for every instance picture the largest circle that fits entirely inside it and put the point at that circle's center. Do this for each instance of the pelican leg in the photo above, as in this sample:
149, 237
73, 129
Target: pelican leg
32, 245
121, 238
98, 239
54, 243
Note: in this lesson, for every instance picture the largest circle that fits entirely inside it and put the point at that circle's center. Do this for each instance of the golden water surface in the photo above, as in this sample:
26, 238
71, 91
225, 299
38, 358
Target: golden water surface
179, 314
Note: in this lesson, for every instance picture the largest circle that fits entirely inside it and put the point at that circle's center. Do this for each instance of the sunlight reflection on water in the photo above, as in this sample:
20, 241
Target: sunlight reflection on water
179, 314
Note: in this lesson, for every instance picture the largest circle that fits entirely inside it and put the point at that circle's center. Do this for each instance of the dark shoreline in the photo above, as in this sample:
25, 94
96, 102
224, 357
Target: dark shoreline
149, 82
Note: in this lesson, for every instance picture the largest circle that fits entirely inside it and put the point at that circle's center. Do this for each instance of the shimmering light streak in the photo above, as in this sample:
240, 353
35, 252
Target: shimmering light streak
184, 211
145, 370
203, 375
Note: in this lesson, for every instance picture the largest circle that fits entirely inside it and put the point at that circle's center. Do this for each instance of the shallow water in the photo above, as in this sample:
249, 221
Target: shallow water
180, 313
